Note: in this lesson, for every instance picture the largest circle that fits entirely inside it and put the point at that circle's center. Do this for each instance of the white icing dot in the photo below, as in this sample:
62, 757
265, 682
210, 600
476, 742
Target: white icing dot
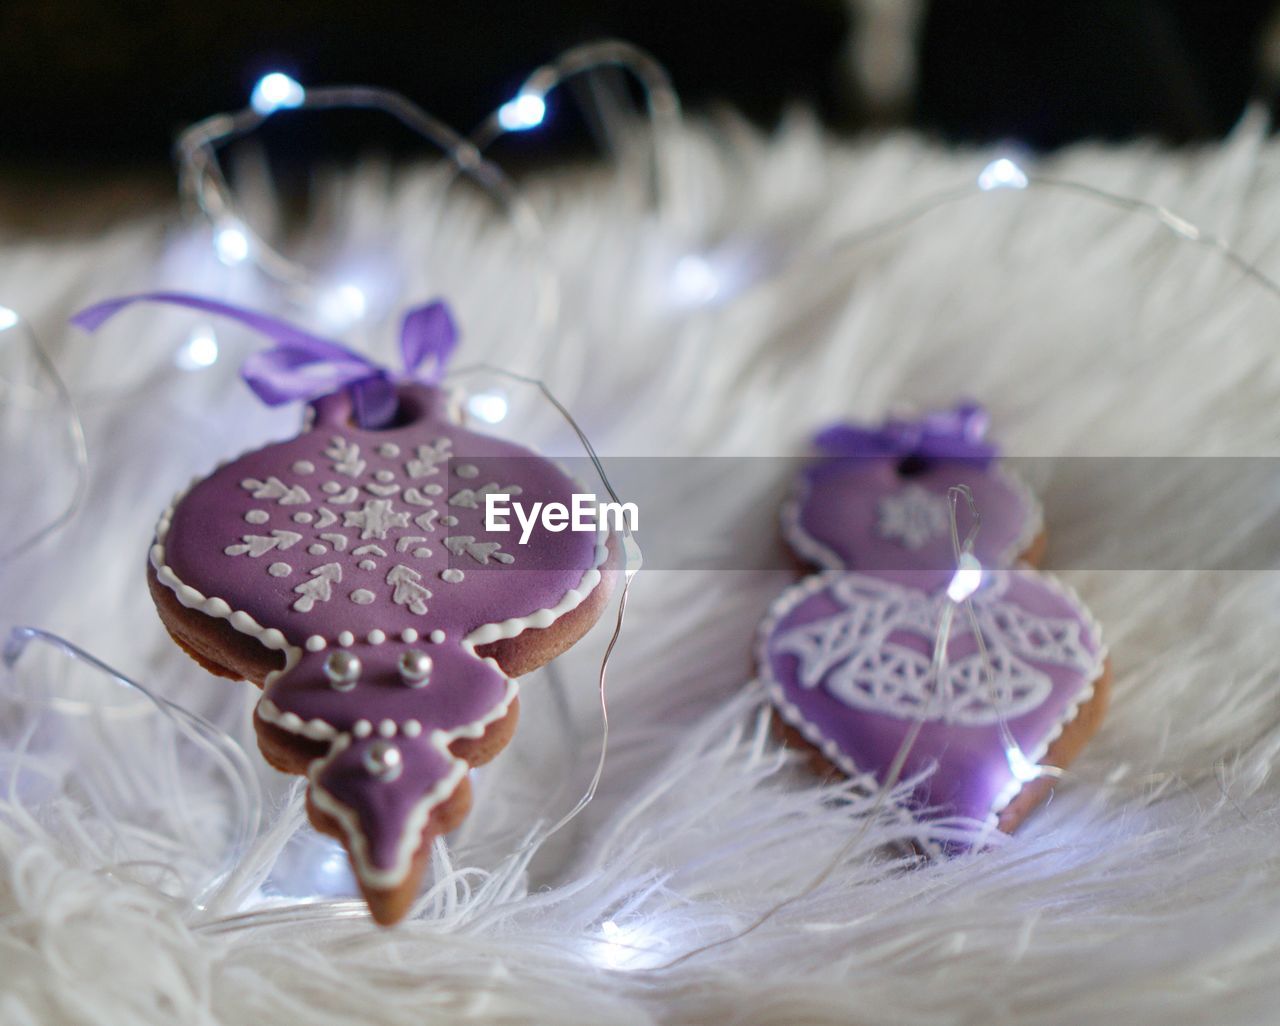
377, 637
467, 470
389, 449
331, 487
363, 728
367, 564
453, 575
315, 643
409, 635
432, 489
436, 636
449, 521
411, 728
317, 549
279, 569
387, 728
385, 476
304, 467
362, 596
257, 516
422, 553
302, 518
346, 639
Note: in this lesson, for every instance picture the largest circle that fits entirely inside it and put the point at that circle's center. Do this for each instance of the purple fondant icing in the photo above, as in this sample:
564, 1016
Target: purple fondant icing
846, 659
343, 540
891, 512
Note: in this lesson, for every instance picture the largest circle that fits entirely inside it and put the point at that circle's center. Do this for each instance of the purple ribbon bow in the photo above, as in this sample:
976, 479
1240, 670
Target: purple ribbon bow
955, 434
305, 366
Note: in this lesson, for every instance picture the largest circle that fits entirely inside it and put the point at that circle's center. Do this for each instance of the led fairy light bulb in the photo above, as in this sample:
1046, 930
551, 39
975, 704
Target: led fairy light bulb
524, 111
276, 91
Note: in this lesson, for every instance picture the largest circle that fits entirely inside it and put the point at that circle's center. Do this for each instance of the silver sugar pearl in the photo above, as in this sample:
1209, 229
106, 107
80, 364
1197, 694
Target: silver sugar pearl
343, 670
415, 668
382, 759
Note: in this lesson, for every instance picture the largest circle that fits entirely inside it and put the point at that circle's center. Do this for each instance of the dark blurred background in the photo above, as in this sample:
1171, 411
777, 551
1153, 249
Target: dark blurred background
101, 87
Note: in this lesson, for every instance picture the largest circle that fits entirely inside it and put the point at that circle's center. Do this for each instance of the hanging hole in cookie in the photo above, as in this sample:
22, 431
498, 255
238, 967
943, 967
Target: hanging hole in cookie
409, 409
912, 466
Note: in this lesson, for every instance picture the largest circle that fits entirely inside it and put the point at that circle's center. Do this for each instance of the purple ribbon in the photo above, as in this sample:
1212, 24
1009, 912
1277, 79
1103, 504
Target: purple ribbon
955, 434
303, 366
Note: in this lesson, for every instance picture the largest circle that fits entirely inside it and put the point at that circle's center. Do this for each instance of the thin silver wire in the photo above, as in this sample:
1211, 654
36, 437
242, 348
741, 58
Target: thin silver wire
200, 177
661, 102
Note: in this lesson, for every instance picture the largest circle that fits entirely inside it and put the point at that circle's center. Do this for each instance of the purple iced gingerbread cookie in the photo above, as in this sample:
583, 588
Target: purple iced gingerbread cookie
847, 655
877, 498
349, 571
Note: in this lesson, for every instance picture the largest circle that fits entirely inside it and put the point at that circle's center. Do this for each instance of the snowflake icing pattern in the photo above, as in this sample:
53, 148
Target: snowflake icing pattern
913, 517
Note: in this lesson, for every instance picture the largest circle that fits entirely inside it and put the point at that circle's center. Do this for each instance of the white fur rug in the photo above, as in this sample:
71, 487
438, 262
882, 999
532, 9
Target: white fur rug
1147, 891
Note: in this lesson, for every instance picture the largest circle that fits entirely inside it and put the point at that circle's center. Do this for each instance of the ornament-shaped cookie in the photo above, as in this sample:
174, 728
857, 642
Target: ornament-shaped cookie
848, 655
349, 573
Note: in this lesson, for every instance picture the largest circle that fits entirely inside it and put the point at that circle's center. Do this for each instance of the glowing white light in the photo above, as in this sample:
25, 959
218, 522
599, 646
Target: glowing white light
276, 91
694, 279
8, 318
526, 111
343, 305
232, 245
968, 577
491, 407
1002, 174
200, 350
633, 946
1020, 766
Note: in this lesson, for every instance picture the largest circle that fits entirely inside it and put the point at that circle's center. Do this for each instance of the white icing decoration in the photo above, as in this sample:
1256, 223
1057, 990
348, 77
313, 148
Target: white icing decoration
467, 470
422, 553
411, 728
409, 635
304, 467
367, 564
279, 569
346, 498
385, 476
481, 552
416, 498
303, 518
382, 490
316, 549
257, 516
387, 728
427, 520
362, 728
259, 544
325, 518
429, 458
473, 498
346, 457
362, 596
346, 639
315, 643
376, 518
362, 550
377, 637
448, 521
408, 541
452, 575
331, 487
913, 516
389, 449
851, 655
317, 588
338, 541
408, 591
274, 488
436, 637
